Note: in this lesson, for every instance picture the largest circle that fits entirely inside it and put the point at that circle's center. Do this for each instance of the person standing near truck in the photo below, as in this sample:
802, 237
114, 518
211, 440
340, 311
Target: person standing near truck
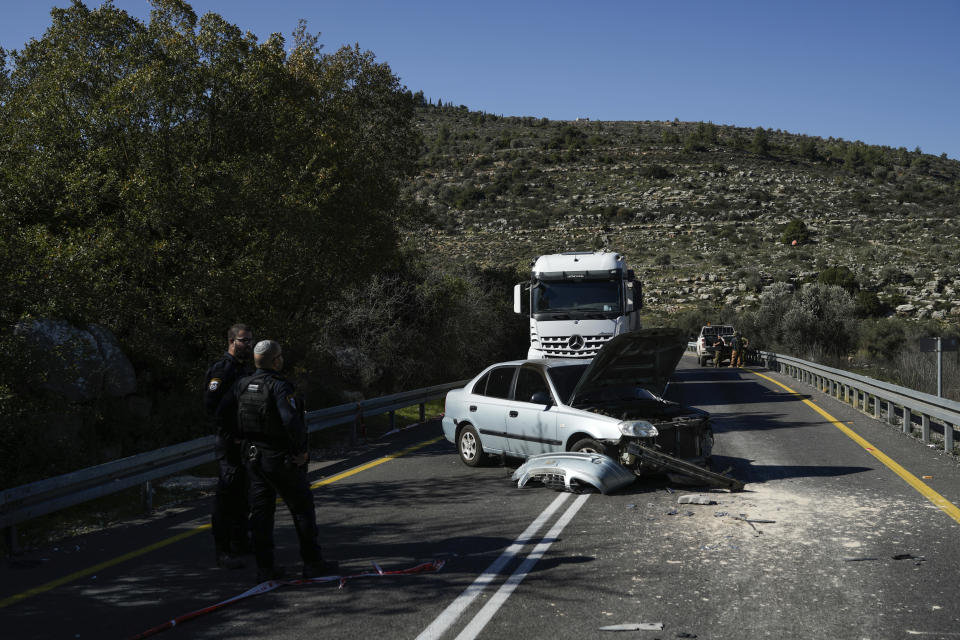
269, 419
735, 350
229, 521
718, 346
744, 345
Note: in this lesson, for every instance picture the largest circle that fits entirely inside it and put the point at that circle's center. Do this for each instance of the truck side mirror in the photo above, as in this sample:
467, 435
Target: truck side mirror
634, 296
517, 297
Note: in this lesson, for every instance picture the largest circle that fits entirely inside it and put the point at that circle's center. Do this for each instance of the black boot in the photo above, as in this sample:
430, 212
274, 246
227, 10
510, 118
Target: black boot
320, 568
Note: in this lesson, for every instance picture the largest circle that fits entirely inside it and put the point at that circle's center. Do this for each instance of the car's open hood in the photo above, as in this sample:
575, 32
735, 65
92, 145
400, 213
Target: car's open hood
644, 358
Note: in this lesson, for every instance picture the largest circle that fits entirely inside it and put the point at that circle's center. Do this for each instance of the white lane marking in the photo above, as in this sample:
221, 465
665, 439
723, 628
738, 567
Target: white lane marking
473, 629
449, 615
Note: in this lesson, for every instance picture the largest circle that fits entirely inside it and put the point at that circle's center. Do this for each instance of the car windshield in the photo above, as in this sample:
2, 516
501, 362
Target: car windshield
579, 296
564, 379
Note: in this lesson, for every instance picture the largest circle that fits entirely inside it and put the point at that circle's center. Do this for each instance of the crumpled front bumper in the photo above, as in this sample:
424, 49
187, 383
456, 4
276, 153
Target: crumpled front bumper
576, 472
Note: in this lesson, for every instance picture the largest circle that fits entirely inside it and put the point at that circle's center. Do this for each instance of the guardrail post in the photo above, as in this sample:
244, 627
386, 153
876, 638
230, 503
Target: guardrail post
948, 437
146, 496
876, 407
10, 540
925, 428
890, 413
423, 412
357, 425
393, 420
907, 421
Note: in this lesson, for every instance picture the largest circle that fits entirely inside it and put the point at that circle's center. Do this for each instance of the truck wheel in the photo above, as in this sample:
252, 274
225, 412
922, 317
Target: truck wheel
469, 447
703, 361
589, 445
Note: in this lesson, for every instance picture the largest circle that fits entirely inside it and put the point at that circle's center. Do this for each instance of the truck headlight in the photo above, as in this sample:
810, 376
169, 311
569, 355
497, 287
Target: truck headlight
638, 428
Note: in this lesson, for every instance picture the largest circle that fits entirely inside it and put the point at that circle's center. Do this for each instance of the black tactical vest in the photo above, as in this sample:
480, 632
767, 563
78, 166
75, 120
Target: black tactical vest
258, 418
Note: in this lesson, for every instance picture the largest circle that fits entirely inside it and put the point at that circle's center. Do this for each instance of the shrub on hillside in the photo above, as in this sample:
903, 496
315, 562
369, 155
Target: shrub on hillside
795, 231
882, 339
840, 276
655, 171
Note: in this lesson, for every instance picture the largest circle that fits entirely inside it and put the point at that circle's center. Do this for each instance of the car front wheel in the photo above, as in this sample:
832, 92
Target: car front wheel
589, 445
469, 447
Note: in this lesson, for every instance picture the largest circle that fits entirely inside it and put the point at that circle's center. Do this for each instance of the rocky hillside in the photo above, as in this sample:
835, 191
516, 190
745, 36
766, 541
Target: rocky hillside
699, 209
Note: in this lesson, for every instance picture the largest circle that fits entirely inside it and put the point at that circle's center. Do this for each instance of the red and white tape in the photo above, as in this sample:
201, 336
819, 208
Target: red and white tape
270, 585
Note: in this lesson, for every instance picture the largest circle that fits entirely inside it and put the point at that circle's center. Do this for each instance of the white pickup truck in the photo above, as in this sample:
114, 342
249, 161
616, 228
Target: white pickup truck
708, 336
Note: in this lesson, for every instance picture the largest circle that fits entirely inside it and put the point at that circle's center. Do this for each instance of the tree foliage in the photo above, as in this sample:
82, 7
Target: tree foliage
840, 276
812, 323
168, 177
795, 231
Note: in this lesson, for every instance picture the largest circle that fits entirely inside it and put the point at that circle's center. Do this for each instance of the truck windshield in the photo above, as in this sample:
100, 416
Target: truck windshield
581, 296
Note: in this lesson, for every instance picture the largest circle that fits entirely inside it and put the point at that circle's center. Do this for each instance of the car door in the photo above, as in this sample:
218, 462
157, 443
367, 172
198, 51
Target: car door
531, 416
487, 407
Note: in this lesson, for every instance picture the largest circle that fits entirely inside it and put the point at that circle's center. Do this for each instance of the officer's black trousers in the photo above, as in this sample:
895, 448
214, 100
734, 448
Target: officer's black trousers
230, 506
270, 474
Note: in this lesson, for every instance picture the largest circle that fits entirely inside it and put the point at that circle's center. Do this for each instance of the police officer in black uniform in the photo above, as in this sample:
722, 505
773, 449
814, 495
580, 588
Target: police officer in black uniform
230, 507
269, 417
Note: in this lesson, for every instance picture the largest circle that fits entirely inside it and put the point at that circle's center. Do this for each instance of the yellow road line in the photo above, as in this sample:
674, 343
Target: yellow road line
924, 489
186, 534
370, 465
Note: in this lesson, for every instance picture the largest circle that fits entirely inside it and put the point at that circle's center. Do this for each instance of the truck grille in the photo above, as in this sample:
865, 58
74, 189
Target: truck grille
560, 346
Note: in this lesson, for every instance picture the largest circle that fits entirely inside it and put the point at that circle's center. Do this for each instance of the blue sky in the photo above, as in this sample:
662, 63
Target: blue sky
881, 72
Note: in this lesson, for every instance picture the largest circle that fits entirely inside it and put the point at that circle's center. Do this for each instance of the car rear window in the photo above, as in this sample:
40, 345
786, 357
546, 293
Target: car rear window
480, 388
498, 382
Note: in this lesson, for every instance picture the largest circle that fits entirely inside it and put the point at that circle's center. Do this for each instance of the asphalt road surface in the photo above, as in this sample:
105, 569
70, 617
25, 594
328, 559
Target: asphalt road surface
847, 546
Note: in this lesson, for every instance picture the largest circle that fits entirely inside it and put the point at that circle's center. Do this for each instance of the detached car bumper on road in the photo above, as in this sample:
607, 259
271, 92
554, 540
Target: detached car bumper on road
528, 407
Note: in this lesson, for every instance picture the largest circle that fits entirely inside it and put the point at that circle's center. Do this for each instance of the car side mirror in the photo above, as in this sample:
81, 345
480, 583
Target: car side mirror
541, 397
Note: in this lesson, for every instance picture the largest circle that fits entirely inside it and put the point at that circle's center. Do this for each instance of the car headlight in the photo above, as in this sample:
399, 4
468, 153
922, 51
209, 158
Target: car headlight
638, 428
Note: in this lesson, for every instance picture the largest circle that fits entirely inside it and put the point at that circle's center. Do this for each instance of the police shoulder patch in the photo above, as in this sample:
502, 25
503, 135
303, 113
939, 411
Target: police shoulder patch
214, 384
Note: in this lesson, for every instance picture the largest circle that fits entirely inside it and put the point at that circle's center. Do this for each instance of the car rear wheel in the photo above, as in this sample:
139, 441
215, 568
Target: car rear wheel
469, 447
589, 445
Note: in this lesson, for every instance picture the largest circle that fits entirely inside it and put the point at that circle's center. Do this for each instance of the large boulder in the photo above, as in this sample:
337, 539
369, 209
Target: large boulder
77, 363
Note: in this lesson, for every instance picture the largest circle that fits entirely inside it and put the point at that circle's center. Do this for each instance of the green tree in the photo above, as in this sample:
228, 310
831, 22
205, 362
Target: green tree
868, 305
819, 322
166, 178
795, 230
669, 136
761, 142
808, 149
840, 276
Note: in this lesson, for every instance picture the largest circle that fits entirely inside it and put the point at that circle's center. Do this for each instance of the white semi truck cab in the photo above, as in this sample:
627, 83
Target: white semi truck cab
577, 302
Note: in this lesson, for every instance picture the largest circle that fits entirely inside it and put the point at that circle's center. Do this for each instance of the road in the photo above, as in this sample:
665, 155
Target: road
848, 548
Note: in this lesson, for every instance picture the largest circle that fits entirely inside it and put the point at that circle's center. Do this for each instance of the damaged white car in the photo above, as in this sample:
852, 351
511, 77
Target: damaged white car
612, 405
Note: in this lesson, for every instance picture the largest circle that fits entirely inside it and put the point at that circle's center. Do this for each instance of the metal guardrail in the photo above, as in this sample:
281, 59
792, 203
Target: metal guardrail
914, 411
46, 496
